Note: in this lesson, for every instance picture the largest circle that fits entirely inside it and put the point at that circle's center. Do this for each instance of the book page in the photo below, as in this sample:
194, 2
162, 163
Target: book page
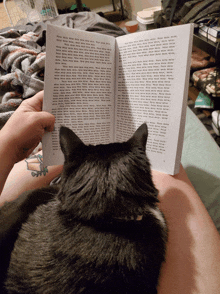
79, 87
153, 76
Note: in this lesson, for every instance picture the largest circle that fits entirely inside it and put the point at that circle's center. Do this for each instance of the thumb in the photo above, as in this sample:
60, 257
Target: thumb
47, 121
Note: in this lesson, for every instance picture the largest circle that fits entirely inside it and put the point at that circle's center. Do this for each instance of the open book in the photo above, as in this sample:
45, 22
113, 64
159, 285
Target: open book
104, 88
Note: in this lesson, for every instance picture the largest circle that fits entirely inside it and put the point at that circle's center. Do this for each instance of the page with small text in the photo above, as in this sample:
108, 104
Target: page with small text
152, 73
79, 87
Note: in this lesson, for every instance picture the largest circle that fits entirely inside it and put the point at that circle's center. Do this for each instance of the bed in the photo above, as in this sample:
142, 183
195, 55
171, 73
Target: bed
22, 56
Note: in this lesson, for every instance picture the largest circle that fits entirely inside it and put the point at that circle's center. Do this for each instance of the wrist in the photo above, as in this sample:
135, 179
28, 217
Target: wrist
7, 151
7, 160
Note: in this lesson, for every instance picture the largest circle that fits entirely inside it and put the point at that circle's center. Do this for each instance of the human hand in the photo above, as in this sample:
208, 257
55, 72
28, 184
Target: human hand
26, 127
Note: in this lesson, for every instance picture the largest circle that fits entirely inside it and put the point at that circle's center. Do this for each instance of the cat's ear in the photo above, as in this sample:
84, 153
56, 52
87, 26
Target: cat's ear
69, 141
140, 137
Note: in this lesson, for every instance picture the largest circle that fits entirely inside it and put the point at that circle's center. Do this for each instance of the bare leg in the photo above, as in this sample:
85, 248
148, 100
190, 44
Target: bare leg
193, 253
26, 175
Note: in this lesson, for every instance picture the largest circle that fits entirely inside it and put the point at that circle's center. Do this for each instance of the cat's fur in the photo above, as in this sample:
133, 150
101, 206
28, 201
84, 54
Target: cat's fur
102, 232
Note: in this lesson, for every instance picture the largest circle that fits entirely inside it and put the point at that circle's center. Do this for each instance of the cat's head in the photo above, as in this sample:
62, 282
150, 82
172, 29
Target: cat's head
106, 180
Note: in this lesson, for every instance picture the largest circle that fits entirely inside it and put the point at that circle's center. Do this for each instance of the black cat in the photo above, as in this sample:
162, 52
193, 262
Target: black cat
100, 231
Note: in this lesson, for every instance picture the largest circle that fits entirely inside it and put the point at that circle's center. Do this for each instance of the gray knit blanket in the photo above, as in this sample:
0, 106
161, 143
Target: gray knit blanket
22, 56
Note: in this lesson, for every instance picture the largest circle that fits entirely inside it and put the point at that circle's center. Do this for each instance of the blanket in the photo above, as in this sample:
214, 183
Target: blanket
22, 56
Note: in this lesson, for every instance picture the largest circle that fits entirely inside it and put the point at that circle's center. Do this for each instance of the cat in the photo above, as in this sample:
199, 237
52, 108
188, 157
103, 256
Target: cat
99, 231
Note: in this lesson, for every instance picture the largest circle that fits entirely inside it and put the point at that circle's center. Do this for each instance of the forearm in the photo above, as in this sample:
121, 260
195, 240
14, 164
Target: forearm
27, 175
7, 162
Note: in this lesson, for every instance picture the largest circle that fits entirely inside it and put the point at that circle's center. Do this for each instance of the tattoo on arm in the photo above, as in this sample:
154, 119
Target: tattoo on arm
35, 165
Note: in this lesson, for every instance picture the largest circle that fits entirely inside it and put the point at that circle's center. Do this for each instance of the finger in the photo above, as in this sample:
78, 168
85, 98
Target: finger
47, 120
34, 103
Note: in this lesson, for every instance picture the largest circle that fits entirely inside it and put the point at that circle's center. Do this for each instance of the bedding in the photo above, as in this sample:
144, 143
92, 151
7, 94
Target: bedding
201, 160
